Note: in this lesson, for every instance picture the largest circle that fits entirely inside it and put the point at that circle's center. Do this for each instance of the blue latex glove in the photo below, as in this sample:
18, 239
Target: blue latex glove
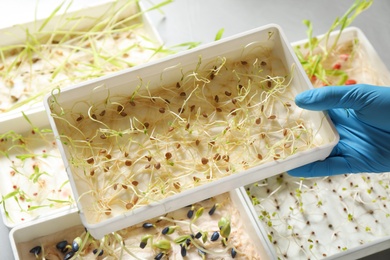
361, 114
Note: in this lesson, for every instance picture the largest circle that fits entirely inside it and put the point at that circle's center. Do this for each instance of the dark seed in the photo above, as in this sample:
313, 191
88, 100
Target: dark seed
95, 252
159, 256
76, 244
147, 225
62, 246
183, 250
69, 255
190, 213
36, 250
142, 244
212, 210
165, 231
214, 236
198, 235
233, 253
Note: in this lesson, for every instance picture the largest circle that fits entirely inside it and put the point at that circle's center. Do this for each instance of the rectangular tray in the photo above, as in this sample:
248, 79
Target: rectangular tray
333, 195
111, 90
68, 18
38, 230
41, 179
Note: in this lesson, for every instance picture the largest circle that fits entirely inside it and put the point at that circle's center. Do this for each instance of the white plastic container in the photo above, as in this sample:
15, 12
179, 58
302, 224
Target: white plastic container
40, 230
337, 210
42, 179
169, 71
66, 18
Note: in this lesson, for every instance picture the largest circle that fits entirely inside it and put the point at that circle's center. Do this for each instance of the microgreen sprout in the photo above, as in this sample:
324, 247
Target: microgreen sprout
326, 62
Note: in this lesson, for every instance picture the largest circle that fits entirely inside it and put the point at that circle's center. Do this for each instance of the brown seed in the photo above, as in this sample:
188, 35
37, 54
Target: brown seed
132, 103
102, 113
157, 166
162, 110
263, 63
216, 98
135, 183
119, 108
205, 160
103, 136
181, 110
129, 205
192, 108
183, 94
93, 116
227, 93
178, 85
259, 156
233, 112
168, 155
243, 62
177, 185
272, 117
90, 160
108, 156
124, 186
123, 113
80, 118
218, 109
108, 212
197, 142
258, 121
128, 163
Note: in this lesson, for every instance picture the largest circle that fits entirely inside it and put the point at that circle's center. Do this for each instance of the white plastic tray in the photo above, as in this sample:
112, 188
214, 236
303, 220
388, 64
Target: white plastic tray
52, 184
373, 243
38, 230
125, 82
76, 19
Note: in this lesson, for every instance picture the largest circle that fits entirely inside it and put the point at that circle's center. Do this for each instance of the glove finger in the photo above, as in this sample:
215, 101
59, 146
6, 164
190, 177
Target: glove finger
354, 97
328, 167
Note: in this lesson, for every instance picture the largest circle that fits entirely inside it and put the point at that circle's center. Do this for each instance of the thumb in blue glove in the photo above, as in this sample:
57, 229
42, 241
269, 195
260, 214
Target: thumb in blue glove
361, 115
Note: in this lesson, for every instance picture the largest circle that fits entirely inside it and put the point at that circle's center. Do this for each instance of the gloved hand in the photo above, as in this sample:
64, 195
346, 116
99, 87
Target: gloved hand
361, 114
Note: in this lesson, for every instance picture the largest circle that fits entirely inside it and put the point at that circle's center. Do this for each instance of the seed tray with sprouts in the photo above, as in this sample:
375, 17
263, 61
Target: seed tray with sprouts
72, 47
336, 217
219, 227
33, 180
158, 137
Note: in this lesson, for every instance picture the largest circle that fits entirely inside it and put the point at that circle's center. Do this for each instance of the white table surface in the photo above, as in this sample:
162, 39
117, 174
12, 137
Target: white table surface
200, 20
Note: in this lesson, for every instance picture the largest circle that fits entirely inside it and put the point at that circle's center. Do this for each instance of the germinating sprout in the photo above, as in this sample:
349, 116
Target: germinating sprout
78, 48
337, 60
34, 180
220, 117
221, 234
